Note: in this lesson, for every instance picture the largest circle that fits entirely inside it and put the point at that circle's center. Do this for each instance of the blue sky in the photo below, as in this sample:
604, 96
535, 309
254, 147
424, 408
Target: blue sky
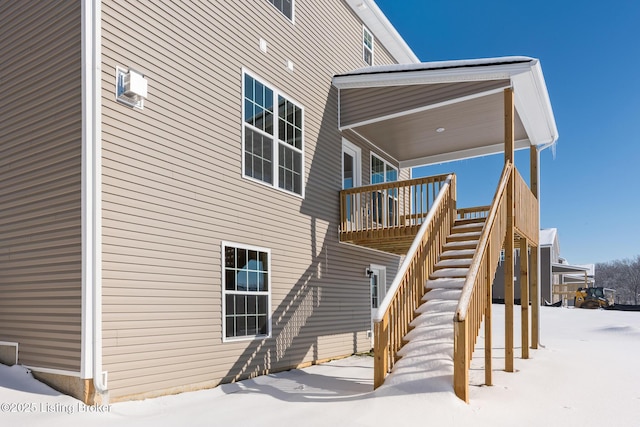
590, 56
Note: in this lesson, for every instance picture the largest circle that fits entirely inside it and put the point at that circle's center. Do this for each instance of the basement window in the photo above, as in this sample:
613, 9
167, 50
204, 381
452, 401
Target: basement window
246, 288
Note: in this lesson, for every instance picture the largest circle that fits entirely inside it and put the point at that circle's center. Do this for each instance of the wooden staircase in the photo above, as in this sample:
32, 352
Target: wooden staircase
428, 349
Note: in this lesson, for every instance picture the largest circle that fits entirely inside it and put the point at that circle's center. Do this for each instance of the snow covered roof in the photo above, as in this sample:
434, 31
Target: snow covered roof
444, 65
548, 236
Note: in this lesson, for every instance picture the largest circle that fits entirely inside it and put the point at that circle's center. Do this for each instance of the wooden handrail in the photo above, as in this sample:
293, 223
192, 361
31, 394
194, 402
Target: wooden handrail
397, 310
475, 299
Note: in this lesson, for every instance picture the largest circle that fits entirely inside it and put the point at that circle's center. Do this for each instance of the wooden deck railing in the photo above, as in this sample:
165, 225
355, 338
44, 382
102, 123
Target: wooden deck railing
526, 216
475, 300
474, 212
389, 205
397, 310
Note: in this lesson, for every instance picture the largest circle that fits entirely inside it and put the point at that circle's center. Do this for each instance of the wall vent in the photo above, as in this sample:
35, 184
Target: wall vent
131, 87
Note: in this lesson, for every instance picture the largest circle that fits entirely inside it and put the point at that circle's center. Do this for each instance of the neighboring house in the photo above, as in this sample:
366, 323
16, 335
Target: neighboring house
170, 177
558, 279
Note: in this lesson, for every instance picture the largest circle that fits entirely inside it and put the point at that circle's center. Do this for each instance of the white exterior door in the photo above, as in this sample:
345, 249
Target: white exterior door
377, 289
351, 173
351, 165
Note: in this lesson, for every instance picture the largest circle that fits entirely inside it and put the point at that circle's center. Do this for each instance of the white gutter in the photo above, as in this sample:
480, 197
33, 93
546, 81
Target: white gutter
91, 335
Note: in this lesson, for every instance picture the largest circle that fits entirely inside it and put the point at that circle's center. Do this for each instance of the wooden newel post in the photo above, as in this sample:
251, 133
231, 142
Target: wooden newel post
461, 359
488, 339
380, 351
524, 295
534, 276
510, 235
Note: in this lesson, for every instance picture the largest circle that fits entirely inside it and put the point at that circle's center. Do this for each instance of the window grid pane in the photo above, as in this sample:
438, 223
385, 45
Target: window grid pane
367, 46
258, 156
246, 283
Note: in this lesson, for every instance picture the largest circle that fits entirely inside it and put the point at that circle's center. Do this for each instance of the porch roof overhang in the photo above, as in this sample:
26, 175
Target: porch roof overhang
436, 112
568, 269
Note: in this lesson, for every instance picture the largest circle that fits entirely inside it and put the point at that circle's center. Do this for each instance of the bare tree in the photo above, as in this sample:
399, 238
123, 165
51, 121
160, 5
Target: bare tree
623, 276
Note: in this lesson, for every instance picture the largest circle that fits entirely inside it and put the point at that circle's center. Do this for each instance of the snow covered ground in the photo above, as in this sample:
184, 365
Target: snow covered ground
587, 374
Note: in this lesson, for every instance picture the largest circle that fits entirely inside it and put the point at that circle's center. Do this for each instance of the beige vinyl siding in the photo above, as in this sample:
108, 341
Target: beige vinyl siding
173, 190
40, 178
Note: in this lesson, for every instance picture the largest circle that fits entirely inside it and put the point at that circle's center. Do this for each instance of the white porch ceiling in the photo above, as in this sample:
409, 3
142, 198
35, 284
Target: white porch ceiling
400, 109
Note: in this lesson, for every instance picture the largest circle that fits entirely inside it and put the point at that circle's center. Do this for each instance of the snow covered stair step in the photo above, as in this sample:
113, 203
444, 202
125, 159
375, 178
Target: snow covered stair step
457, 253
449, 273
445, 283
475, 226
425, 348
471, 235
456, 262
427, 320
443, 294
440, 305
426, 330
462, 244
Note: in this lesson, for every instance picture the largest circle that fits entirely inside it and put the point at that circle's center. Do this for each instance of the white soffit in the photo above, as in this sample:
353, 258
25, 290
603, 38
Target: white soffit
376, 21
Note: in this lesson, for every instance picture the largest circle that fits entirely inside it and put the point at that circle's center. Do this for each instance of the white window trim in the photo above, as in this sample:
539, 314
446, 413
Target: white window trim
365, 31
223, 244
357, 173
276, 141
293, 11
386, 165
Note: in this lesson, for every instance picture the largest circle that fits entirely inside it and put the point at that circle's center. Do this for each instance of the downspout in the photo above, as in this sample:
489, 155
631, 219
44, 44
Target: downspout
538, 151
92, 199
99, 378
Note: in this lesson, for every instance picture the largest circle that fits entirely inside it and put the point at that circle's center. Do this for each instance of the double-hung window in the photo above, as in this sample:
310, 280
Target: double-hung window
367, 46
284, 6
273, 137
246, 291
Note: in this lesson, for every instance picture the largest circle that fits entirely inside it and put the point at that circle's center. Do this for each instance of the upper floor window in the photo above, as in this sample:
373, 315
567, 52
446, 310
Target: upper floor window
367, 46
284, 6
273, 140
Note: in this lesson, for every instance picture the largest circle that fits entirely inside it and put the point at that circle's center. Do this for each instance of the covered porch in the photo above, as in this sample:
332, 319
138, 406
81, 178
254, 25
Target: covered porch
570, 278
420, 114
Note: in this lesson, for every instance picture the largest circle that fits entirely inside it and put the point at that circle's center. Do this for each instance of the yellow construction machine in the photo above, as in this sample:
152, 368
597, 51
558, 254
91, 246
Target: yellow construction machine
593, 297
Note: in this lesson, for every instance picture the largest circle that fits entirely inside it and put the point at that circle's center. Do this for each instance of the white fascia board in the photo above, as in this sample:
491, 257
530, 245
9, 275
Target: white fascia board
382, 29
534, 107
405, 77
462, 154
